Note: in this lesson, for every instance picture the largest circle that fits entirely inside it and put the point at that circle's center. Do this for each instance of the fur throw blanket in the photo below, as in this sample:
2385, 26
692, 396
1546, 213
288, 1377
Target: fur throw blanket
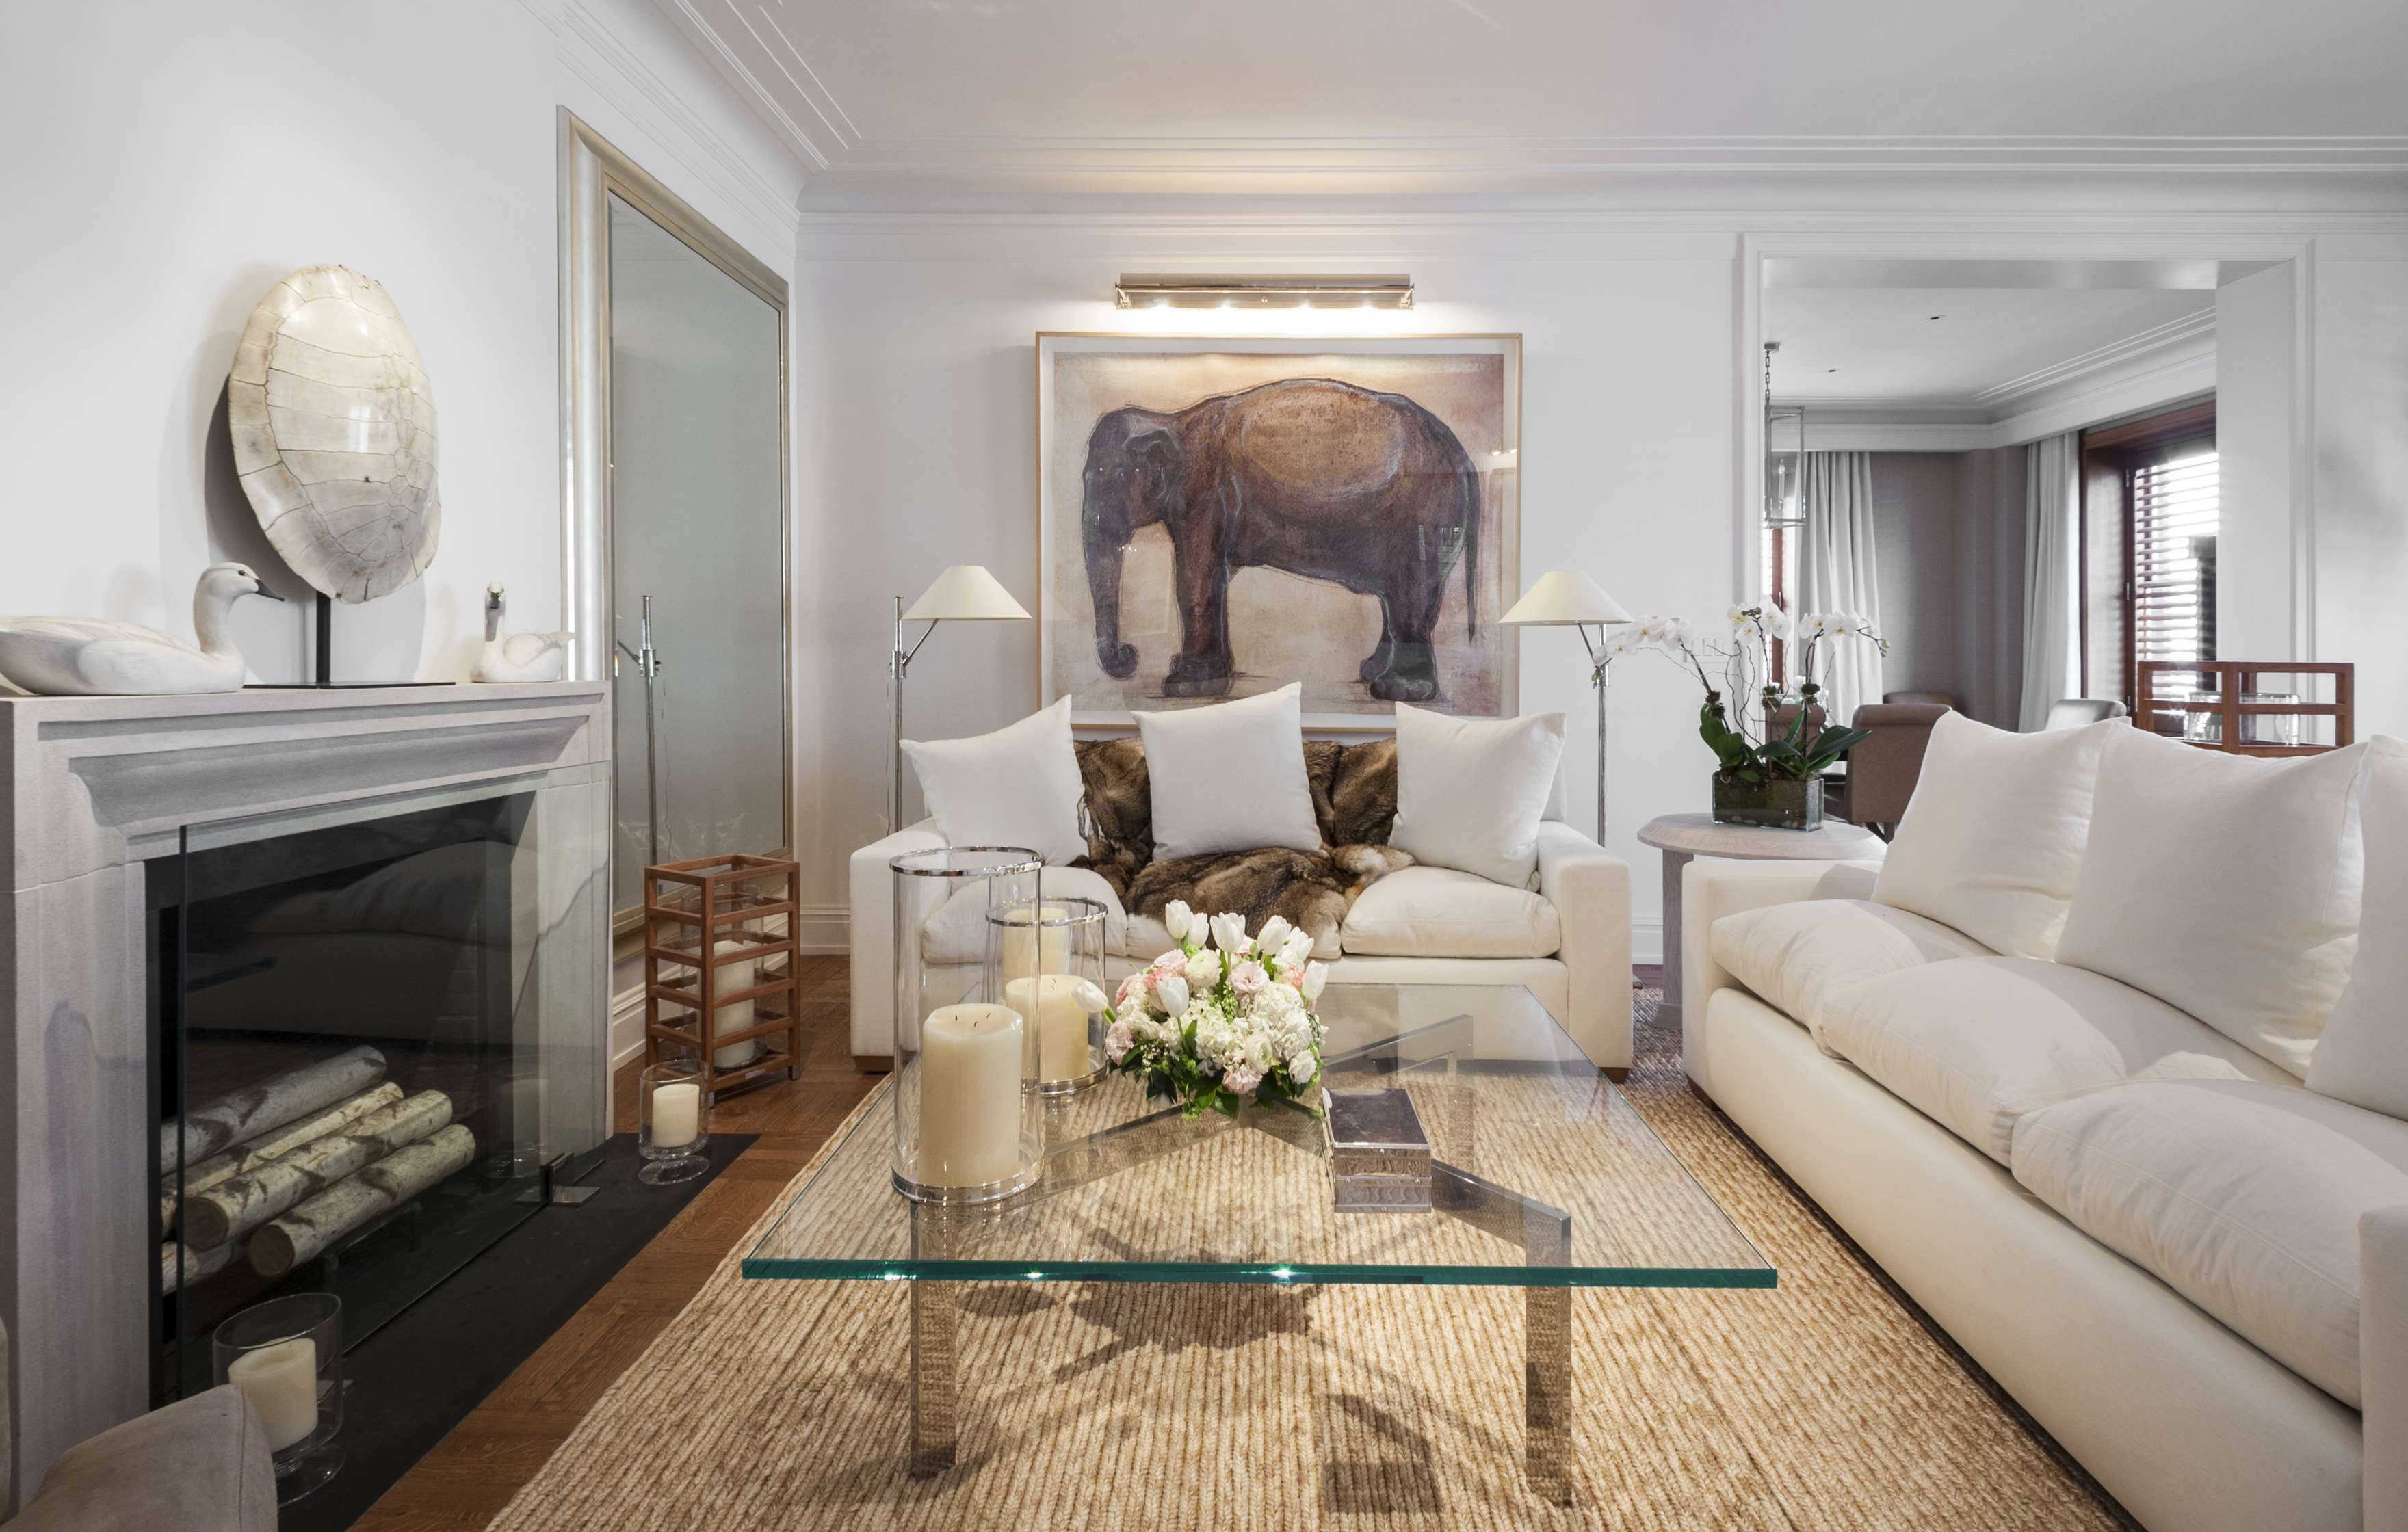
1353, 797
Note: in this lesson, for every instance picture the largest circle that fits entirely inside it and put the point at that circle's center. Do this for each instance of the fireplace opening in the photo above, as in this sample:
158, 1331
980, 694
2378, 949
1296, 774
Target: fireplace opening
372, 1029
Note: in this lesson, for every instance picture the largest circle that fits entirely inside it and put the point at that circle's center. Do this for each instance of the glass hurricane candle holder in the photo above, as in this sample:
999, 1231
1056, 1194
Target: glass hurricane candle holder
968, 1125
1043, 952
672, 1122
286, 1355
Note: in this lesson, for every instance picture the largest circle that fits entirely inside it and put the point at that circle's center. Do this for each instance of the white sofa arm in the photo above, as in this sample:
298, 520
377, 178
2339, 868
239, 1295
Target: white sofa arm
873, 937
2383, 1363
1590, 888
1712, 888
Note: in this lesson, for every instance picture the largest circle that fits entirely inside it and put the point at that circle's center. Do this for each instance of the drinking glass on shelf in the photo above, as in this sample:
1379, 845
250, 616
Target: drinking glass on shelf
672, 1122
286, 1355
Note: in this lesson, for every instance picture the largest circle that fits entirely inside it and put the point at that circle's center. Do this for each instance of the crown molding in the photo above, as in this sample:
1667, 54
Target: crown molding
2193, 330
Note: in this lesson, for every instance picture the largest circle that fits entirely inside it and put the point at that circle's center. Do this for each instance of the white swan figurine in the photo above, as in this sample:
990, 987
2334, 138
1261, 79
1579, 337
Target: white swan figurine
90, 657
522, 656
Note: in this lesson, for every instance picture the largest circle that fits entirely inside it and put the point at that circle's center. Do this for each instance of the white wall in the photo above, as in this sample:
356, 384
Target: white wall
2254, 326
917, 410
168, 163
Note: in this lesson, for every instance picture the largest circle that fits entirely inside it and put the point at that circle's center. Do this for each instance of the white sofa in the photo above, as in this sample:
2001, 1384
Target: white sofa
2192, 1425
1567, 940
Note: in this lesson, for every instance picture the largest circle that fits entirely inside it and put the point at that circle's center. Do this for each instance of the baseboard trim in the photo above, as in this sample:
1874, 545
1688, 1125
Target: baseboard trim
1647, 941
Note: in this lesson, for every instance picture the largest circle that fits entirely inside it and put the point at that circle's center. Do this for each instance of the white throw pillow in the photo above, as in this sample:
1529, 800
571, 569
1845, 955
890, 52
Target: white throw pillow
1992, 839
1230, 777
1018, 786
1470, 791
2226, 885
2362, 1057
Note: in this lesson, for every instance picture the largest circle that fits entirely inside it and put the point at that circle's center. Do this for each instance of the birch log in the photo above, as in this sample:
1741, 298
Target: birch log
247, 1200
235, 1161
180, 1266
307, 1230
262, 1109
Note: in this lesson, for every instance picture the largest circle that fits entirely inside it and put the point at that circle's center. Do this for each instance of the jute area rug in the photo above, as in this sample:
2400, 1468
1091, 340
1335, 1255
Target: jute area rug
1826, 1403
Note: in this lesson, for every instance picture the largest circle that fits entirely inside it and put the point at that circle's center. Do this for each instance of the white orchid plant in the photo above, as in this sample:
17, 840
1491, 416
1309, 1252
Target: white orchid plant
1746, 747
1223, 1017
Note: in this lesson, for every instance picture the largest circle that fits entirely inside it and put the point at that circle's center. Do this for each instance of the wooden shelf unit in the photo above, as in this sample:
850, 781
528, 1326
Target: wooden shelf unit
717, 906
2235, 681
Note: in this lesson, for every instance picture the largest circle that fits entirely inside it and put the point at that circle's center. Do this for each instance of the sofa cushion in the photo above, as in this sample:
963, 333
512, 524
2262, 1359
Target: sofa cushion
1426, 911
2224, 885
1798, 955
2362, 1054
1993, 836
1976, 1043
2244, 1198
1018, 786
1230, 777
1471, 790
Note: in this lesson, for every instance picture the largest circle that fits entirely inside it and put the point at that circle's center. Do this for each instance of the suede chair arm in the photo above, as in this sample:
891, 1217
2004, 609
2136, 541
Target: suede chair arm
872, 933
2383, 1363
199, 1465
1590, 888
1711, 889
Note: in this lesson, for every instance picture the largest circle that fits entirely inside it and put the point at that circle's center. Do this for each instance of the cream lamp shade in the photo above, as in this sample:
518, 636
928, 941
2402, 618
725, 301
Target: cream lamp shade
966, 593
1561, 598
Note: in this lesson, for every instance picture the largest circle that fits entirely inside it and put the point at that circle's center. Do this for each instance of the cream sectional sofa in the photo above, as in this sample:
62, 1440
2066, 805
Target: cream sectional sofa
2190, 1267
1567, 940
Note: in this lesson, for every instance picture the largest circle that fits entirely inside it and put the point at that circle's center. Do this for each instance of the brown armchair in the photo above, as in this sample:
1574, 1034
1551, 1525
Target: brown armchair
1882, 766
1905, 699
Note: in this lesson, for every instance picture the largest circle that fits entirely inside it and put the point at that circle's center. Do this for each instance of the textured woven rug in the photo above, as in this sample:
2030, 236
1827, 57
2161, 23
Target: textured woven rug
1826, 1403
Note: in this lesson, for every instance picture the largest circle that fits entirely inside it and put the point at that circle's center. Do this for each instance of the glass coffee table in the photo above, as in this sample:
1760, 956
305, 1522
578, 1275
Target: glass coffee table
1484, 1150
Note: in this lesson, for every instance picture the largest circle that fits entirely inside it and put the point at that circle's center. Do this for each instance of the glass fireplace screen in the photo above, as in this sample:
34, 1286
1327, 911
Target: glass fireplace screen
373, 1027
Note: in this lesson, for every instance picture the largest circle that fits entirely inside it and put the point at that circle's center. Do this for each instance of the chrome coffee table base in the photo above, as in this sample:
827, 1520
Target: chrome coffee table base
1544, 1232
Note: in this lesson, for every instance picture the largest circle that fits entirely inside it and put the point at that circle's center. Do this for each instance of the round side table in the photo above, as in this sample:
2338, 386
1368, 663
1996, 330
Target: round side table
1683, 837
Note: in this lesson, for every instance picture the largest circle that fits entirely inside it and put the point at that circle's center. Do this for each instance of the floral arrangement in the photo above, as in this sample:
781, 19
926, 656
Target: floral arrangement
1745, 747
1223, 1016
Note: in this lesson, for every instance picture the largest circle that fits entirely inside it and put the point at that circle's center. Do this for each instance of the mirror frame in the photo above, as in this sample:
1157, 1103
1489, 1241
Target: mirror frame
592, 171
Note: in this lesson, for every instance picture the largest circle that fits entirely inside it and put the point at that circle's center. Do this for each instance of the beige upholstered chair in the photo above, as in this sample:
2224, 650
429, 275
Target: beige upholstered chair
1883, 767
200, 1465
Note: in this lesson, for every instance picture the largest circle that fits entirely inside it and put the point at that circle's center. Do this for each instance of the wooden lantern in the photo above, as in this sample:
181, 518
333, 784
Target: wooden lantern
720, 969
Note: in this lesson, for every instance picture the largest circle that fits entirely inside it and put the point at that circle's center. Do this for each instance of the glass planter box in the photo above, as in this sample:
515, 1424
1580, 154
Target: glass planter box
1779, 804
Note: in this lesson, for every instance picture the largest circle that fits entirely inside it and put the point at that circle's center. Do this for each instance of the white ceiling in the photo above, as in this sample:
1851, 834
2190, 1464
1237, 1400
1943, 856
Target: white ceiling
1001, 86
1987, 346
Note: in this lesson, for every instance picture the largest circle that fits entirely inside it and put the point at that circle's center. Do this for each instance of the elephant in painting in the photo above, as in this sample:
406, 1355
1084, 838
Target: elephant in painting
1365, 490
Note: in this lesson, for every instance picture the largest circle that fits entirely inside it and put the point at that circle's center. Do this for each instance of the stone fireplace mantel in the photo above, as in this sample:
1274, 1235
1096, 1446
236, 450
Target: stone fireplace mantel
96, 786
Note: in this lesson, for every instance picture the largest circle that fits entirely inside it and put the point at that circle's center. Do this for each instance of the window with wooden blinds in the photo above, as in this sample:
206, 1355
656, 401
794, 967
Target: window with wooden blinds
2173, 508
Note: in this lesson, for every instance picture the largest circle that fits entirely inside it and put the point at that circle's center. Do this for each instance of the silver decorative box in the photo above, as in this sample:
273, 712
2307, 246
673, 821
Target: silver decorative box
1379, 1155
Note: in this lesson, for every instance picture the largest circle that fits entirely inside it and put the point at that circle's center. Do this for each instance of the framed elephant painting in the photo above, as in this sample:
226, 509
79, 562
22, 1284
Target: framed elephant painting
1220, 516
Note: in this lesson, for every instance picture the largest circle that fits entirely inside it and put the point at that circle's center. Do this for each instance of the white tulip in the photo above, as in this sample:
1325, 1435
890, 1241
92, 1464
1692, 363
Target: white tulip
1315, 976
1090, 998
1274, 931
1294, 951
1204, 971
1172, 993
1229, 934
1178, 920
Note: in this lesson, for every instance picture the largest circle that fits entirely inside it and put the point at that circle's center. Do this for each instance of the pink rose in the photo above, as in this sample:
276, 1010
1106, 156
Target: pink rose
1242, 1079
1131, 987
1117, 1042
1248, 978
1294, 979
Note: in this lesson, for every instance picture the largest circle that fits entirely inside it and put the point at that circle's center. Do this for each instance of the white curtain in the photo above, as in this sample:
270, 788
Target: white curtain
2052, 619
1836, 572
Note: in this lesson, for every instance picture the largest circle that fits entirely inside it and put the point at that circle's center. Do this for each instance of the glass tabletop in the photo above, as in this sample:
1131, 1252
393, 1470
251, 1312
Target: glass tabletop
1537, 1173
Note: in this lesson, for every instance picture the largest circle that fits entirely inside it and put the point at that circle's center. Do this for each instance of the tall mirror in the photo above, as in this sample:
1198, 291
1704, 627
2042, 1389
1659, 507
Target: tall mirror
677, 433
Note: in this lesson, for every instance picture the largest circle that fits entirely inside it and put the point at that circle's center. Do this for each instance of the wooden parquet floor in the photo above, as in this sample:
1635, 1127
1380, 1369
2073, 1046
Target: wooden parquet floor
484, 1460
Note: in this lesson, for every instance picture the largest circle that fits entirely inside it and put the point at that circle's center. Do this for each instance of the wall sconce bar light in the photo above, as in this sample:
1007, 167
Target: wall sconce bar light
1282, 290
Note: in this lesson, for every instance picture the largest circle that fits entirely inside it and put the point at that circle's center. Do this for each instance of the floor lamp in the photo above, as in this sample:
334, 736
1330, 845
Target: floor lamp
964, 593
1568, 598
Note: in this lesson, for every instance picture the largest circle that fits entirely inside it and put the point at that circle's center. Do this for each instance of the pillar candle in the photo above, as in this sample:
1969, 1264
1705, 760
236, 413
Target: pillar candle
733, 979
677, 1114
1049, 1002
969, 1094
1032, 949
282, 1382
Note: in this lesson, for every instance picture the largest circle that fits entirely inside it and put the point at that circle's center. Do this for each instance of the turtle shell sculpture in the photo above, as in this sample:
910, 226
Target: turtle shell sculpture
333, 434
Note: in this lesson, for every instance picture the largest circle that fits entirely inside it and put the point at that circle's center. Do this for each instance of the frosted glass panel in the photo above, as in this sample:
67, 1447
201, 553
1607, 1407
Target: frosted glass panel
697, 524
